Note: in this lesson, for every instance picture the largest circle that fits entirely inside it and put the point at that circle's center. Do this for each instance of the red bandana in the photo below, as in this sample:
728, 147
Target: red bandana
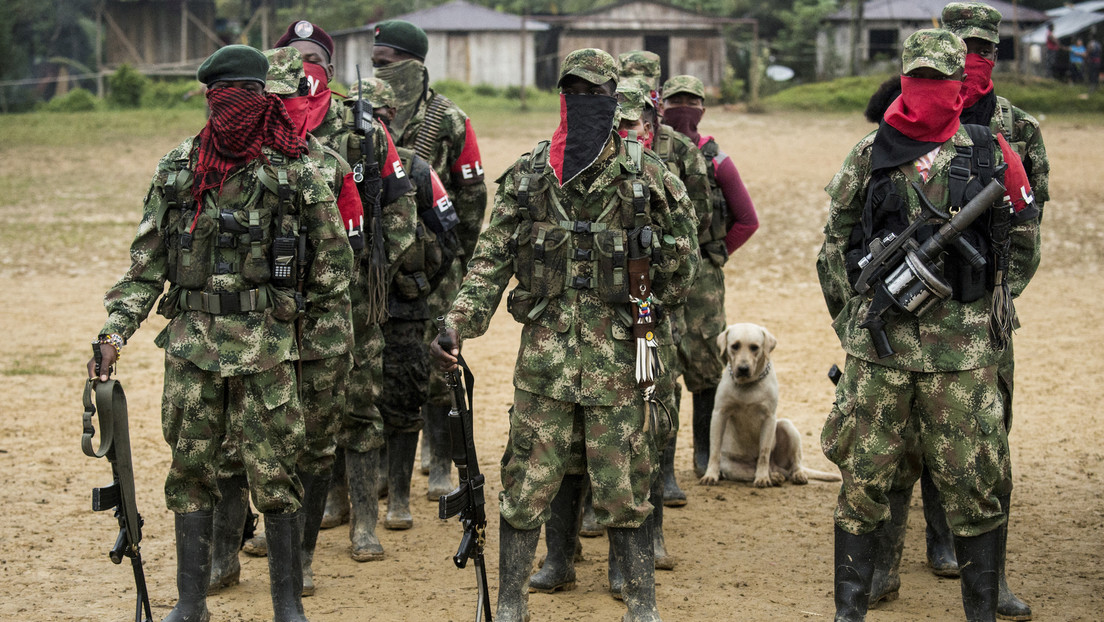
241, 123
979, 79
927, 110
308, 111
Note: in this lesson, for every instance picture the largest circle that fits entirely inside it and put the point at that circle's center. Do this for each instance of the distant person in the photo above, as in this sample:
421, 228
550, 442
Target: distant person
1052, 49
1077, 61
1092, 63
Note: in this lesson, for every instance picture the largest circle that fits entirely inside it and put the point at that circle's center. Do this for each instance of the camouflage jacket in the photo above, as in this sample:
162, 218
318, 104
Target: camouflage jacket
687, 163
232, 344
575, 346
456, 159
1023, 134
953, 336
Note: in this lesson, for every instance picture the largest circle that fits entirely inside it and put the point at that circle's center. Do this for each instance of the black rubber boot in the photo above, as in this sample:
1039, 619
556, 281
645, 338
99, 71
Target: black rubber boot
285, 567
979, 558
663, 561
363, 473
886, 583
337, 501
702, 420
854, 571
1009, 606
401, 447
226, 535
613, 574
193, 567
940, 541
590, 527
673, 496
516, 548
440, 447
633, 550
315, 488
561, 533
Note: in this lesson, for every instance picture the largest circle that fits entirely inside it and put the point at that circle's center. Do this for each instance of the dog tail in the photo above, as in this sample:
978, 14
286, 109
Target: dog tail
823, 476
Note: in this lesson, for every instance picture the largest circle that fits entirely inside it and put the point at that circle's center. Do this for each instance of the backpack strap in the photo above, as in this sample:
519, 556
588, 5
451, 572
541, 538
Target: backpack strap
976, 161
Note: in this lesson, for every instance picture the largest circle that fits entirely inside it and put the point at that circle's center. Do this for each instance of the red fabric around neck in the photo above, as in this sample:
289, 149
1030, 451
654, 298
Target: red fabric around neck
927, 110
979, 79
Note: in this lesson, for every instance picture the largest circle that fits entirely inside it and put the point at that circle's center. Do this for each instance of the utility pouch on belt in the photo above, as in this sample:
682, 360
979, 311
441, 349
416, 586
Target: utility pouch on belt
283, 261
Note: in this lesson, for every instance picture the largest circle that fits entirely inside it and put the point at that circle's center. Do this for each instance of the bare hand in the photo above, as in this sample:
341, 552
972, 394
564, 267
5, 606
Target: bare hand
108, 354
446, 361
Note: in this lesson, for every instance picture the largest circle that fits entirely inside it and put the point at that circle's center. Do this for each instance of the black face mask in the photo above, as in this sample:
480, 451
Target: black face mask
586, 122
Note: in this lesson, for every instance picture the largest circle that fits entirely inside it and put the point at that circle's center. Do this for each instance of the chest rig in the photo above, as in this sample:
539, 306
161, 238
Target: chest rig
554, 252
218, 249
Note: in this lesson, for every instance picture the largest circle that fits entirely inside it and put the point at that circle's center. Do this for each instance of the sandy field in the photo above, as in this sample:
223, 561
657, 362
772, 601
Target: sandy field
67, 215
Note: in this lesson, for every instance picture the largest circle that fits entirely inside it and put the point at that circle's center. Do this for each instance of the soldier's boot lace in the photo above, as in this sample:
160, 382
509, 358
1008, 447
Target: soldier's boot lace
887, 563
854, 571
226, 536
401, 447
561, 533
515, 559
978, 567
633, 551
285, 567
193, 567
363, 471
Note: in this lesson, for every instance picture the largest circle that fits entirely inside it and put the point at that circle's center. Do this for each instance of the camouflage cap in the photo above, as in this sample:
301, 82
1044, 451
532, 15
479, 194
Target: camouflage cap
972, 20
376, 91
641, 64
683, 84
631, 98
233, 63
938, 49
285, 71
591, 64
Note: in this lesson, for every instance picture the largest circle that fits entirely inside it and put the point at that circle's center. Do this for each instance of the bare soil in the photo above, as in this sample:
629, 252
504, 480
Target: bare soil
743, 553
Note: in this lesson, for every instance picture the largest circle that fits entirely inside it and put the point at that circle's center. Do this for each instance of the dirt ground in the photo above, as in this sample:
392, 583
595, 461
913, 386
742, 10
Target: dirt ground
67, 216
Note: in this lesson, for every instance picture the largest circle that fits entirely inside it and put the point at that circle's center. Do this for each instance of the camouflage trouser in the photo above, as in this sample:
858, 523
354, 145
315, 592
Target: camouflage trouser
362, 426
405, 375
885, 420
1006, 367
323, 397
439, 302
200, 409
549, 438
703, 318
668, 388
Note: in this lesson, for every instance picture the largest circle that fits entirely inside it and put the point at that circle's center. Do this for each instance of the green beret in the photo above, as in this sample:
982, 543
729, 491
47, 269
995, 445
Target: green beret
641, 64
683, 84
591, 64
941, 50
285, 71
972, 20
233, 63
376, 91
402, 36
631, 98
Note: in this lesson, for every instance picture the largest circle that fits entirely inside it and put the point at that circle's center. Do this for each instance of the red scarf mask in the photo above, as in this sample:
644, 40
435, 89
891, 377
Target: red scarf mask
241, 122
979, 79
927, 110
308, 111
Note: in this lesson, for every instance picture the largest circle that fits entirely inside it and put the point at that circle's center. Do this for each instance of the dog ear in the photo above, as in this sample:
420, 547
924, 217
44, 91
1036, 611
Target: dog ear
769, 342
722, 345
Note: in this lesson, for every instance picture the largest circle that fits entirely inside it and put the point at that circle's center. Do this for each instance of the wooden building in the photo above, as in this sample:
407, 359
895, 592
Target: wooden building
158, 36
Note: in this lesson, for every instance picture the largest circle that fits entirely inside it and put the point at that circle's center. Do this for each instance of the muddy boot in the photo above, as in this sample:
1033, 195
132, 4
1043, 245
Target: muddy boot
516, 548
673, 496
940, 541
382, 479
315, 488
702, 420
979, 558
401, 447
1009, 606
363, 473
854, 564
256, 546
193, 567
886, 584
590, 527
561, 534
226, 536
337, 501
663, 561
613, 574
284, 567
633, 550
440, 447
426, 452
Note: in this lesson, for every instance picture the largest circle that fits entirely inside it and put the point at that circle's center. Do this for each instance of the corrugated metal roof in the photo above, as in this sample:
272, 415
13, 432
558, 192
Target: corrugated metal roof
1065, 25
465, 16
927, 10
1084, 7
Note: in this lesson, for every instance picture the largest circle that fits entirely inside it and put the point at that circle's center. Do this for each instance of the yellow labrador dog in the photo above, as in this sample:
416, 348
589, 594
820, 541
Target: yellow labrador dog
747, 442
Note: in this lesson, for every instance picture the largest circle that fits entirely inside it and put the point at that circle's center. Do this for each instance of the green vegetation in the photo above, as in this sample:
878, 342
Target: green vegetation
125, 87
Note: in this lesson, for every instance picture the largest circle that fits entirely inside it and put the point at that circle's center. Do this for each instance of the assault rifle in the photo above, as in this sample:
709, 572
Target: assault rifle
467, 499
902, 274
110, 403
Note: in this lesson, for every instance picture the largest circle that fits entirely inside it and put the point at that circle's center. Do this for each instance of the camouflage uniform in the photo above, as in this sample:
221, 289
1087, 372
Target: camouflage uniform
941, 384
574, 374
230, 373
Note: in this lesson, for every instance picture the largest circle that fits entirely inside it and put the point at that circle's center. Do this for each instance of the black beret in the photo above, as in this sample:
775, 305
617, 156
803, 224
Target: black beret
233, 63
403, 36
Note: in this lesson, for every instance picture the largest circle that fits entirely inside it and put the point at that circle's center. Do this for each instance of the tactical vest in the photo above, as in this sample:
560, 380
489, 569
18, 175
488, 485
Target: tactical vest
435, 242
971, 169
548, 245
722, 219
255, 235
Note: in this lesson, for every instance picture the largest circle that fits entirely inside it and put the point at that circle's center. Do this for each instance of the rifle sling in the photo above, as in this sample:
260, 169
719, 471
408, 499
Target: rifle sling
111, 407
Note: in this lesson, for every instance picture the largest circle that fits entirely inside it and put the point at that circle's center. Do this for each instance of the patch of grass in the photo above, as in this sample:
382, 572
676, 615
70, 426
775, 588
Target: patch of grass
79, 130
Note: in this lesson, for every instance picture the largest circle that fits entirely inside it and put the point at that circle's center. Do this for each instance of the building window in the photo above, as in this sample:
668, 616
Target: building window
883, 44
